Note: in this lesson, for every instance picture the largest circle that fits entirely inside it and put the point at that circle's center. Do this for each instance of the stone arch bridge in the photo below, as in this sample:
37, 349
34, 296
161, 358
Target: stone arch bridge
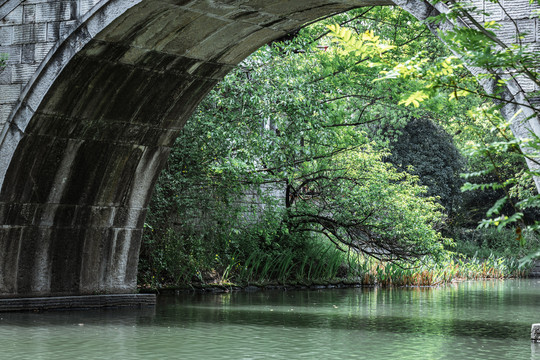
93, 96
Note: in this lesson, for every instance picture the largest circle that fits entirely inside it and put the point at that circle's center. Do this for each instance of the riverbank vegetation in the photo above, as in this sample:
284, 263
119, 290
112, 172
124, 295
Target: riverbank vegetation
301, 167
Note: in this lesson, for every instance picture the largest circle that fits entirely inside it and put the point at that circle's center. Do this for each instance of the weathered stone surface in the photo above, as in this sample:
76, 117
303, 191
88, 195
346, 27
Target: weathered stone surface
535, 332
95, 93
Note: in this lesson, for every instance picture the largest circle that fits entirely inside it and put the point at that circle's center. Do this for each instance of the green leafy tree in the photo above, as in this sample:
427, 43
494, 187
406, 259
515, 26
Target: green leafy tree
359, 201
478, 46
277, 156
430, 151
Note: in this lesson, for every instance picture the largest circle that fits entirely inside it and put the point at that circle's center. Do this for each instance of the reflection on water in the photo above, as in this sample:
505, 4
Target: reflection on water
471, 320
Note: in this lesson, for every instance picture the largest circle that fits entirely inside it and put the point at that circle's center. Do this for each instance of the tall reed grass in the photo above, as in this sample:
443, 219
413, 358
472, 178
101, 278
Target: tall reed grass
322, 263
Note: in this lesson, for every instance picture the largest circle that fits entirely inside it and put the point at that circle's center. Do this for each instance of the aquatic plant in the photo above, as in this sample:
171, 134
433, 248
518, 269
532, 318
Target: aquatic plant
323, 263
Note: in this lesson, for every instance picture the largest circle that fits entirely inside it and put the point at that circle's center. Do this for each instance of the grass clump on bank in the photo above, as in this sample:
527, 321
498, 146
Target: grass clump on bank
319, 262
369, 271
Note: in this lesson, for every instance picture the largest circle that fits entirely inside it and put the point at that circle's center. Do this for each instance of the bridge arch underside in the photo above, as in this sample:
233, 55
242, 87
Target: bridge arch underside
74, 196
85, 157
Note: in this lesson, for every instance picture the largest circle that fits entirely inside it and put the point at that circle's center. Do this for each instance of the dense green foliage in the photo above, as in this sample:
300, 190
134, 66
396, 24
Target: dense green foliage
431, 152
285, 172
479, 47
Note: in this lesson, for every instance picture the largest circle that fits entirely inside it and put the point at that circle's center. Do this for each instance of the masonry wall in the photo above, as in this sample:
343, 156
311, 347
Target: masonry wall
28, 31
519, 25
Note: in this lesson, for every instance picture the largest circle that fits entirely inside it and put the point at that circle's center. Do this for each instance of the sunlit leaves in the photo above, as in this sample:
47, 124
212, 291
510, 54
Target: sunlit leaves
415, 99
501, 221
430, 75
480, 48
454, 95
367, 45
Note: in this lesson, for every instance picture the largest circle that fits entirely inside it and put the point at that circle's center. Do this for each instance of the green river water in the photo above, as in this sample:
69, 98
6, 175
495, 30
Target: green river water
468, 320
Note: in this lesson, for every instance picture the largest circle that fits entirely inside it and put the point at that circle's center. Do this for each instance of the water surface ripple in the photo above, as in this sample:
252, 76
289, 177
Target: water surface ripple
469, 320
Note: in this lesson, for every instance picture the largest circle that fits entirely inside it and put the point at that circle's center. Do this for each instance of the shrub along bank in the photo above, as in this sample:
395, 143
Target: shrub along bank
319, 263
